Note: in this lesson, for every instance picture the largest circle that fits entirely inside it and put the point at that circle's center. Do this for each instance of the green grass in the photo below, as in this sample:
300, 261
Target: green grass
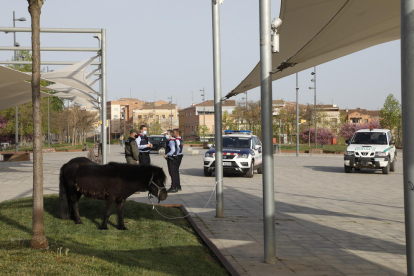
151, 246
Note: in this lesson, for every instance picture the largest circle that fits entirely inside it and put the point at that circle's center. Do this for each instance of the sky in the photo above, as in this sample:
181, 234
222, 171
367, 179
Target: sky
157, 49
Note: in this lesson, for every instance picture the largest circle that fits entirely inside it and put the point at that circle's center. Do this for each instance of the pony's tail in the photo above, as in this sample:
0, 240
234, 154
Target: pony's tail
64, 212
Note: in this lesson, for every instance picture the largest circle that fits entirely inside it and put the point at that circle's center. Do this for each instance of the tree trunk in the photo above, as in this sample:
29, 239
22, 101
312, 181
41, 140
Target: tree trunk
38, 240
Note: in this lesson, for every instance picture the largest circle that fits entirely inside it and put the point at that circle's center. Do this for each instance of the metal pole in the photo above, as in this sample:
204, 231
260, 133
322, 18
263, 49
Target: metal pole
48, 122
16, 108
407, 99
297, 114
267, 133
103, 105
68, 124
217, 109
171, 113
316, 131
109, 130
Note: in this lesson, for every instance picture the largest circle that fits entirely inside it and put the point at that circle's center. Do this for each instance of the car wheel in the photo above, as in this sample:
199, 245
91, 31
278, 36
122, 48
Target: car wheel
207, 173
392, 165
348, 169
260, 170
386, 169
250, 172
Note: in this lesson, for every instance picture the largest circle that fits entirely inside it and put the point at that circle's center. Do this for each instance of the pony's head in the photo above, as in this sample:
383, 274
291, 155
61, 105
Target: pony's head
157, 183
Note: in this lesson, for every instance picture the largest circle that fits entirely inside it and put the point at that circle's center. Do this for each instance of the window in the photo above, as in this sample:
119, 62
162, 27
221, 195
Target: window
115, 116
115, 108
190, 114
334, 120
139, 116
366, 120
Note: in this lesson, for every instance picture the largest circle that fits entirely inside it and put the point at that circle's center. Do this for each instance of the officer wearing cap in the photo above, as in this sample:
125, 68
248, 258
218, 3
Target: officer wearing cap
144, 146
172, 161
131, 148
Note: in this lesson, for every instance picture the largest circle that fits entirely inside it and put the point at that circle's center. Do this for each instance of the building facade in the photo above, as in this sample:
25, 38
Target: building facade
160, 112
193, 118
361, 116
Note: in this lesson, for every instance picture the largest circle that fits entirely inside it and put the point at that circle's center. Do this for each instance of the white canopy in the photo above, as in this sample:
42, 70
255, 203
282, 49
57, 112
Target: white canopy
73, 76
317, 31
64, 89
14, 90
76, 99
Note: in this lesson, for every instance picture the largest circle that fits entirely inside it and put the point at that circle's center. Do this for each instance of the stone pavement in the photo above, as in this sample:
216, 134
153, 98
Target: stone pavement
327, 222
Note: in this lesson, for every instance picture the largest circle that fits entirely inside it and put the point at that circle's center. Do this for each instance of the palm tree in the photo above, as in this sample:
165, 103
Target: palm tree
38, 240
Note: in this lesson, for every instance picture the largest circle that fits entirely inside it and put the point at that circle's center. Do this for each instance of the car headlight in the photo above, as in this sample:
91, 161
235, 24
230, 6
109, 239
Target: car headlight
243, 155
209, 154
380, 153
350, 153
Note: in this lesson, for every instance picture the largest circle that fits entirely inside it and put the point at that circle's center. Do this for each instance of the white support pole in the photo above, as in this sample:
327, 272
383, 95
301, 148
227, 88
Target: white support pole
407, 99
267, 133
217, 109
103, 104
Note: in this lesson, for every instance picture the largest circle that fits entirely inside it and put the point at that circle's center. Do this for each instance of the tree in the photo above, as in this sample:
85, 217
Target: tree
324, 135
38, 239
347, 130
390, 114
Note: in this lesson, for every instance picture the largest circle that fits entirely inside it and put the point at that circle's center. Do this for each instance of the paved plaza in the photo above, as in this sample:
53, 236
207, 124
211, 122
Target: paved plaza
327, 222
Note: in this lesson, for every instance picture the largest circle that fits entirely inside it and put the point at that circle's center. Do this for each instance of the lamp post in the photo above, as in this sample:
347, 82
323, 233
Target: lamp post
314, 88
204, 112
170, 102
245, 98
16, 109
297, 114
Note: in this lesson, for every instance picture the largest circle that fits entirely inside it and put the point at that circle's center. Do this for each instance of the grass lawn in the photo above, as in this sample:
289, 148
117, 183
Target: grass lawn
305, 147
151, 246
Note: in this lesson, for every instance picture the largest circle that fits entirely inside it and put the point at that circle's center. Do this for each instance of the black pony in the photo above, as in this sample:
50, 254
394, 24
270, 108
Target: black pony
114, 182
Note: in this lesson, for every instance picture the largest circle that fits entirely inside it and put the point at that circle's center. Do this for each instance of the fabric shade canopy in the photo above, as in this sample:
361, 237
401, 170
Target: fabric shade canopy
317, 31
64, 89
73, 76
76, 99
21, 98
14, 90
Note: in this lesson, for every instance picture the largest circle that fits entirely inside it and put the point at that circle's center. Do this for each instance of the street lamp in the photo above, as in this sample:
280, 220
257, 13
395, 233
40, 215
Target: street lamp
245, 98
170, 102
314, 88
204, 111
16, 108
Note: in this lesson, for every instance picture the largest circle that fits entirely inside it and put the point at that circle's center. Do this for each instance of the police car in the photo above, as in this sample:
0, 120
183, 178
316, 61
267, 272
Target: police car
371, 149
242, 152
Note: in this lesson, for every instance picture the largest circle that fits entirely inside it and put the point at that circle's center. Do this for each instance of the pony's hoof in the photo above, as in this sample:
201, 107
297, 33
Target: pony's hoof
103, 228
78, 222
122, 228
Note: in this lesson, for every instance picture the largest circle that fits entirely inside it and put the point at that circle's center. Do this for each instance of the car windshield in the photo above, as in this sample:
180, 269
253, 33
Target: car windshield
155, 138
377, 138
236, 142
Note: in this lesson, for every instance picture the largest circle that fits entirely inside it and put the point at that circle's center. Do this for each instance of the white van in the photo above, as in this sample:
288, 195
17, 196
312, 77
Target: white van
371, 149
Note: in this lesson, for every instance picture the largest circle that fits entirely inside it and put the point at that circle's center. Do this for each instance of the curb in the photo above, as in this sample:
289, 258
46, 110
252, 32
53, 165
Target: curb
207, 241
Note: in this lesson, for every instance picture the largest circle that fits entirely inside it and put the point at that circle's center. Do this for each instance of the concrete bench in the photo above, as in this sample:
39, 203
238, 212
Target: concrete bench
10, 156
194, 153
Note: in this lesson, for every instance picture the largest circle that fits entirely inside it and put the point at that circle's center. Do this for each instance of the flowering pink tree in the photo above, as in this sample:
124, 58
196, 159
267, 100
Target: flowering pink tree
324, 136
348, 129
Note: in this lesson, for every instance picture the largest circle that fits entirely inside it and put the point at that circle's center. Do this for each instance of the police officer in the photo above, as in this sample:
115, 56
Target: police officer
172, 162
144, 146
180, 145
131, 148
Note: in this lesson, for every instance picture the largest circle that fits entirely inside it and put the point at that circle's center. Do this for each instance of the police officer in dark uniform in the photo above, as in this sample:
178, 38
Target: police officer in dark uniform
180, 145
172, 161
131, 148
144, 146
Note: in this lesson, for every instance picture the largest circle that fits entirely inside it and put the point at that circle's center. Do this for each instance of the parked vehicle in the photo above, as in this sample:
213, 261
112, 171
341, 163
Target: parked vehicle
159, 142
371, 149
242, 152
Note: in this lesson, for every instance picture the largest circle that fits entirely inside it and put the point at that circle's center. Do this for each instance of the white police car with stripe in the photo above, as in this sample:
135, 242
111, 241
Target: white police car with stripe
371, 149
242, 152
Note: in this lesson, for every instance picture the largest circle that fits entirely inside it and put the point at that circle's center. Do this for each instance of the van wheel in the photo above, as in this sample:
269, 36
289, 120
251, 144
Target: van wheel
348, 169
207, 173
250, 172
386, 169
392, 165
